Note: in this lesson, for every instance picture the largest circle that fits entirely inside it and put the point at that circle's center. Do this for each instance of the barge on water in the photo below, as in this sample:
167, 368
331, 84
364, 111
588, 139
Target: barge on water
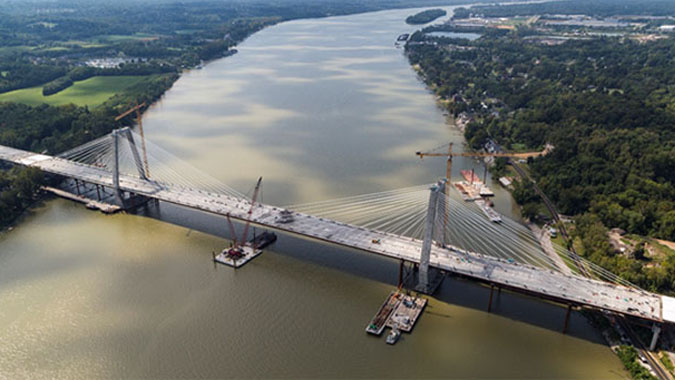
377, 324
400, 312
237, 256
406, 313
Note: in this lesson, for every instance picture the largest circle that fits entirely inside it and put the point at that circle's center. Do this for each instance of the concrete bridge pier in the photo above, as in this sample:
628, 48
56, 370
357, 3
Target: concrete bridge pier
567, 319
656, 331
492, 289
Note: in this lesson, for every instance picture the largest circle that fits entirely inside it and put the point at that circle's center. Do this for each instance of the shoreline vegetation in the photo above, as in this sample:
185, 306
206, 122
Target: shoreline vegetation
604, 98
603, 101
426, 16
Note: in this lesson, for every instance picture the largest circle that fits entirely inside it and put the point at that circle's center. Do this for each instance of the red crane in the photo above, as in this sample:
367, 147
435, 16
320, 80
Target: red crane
250, 210
236, 244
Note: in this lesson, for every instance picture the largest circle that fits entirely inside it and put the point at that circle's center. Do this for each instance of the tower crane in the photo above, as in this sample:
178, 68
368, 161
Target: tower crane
450, 154
448, 166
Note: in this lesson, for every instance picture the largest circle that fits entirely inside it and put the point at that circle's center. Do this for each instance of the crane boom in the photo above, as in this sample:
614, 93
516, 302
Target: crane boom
480, 154
450, 155
129, 111
233, 233
250, 210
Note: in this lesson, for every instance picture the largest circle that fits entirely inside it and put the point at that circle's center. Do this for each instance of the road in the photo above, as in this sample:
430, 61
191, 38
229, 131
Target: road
540, 282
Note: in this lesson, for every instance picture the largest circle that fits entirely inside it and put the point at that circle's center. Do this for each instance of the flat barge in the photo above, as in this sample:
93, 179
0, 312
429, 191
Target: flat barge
407, 313
379, 321
238, 256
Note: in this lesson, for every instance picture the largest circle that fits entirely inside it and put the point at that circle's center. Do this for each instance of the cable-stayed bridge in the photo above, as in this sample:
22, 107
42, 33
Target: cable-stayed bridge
421, 225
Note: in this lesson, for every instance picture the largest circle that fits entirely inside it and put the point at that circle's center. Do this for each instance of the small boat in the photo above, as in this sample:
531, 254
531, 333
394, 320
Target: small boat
393, 336
263, 240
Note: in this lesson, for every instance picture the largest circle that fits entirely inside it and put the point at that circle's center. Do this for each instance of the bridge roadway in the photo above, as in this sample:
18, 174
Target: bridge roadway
571, 289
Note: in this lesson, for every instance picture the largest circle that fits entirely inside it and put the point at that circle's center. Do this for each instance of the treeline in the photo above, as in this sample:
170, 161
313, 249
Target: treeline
55, 129
19, 188
425, 16
606, 104
82, 73
21, 73
591, 235
608, 107
598, 8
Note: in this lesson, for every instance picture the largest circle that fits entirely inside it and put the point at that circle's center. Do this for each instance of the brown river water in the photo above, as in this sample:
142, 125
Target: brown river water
321, 109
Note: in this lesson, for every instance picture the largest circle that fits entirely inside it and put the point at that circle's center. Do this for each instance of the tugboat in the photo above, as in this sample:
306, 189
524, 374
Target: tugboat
393, 336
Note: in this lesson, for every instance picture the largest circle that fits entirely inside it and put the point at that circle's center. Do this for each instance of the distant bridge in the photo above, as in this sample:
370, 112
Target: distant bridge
414, 225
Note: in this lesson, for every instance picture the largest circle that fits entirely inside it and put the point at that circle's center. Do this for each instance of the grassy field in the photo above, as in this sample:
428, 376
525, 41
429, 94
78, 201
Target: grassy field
90, 92
129, 37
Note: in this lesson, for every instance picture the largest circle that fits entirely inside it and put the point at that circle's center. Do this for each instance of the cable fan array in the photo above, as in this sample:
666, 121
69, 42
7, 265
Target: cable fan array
462, 225
164, 170
402, 212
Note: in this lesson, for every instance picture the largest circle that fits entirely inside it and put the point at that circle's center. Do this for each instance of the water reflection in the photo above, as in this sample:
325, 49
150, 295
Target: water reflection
86, 295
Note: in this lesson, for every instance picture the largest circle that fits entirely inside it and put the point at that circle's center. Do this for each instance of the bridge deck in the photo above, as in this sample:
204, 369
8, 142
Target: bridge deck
531, 279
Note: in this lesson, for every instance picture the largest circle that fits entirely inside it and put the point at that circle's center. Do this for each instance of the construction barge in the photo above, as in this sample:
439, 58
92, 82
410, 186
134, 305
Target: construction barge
406, 313
399, 312
472, 188
379, 321
237, 256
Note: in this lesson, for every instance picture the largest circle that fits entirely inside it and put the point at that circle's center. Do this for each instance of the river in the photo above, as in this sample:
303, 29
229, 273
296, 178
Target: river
321, 109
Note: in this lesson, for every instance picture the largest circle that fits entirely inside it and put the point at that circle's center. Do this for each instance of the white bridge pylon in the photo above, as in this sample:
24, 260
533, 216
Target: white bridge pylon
393, 223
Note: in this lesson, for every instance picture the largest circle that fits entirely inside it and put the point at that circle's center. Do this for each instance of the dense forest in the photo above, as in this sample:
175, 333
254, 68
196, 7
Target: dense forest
606, 104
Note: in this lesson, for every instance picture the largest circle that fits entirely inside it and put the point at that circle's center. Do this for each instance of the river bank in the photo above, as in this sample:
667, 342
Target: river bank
91, 295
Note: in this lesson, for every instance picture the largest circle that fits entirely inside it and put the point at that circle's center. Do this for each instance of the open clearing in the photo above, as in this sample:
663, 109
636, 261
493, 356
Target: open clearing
90, 92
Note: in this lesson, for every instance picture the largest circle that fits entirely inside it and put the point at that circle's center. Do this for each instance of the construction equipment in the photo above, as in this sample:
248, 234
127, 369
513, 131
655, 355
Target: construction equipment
448, 166
139, 121
235, 250
450, 154
250, 210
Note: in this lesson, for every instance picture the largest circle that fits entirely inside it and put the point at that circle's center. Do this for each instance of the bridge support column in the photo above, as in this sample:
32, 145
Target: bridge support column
567, 319
400, 275
492, 289
656, 330
430, 229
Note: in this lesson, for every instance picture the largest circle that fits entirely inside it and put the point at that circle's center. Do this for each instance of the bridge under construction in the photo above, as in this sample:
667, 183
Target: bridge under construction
414, 225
